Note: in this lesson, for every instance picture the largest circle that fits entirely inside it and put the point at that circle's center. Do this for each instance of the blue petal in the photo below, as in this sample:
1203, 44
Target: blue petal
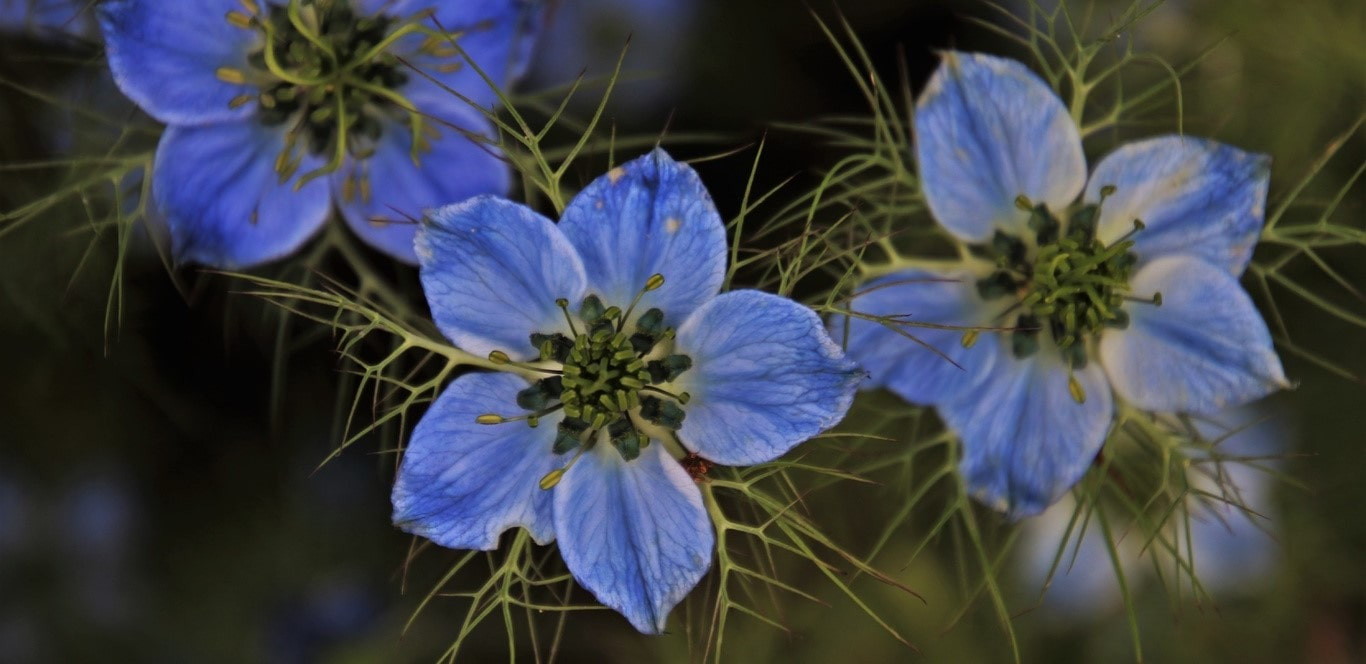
457, 167
1195, 196
634, 533
492, 270
1084, 583
1232, 549
222, 199
498, 35
165, 56
987, 130
920, 369
765, 377
1025, 440
462, 484
649, 216
1204, 349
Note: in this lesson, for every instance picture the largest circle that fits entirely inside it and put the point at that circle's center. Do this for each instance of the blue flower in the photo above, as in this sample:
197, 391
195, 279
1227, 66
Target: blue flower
1130, 292
1232, 550
278, 111
634, 358
47, 18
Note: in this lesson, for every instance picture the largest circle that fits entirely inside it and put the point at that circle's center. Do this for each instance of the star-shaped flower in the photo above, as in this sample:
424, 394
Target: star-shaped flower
1131, 291
278, 110
636, 361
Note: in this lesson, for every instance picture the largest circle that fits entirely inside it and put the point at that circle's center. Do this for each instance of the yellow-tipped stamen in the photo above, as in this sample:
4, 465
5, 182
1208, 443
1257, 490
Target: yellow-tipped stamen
970, 338
1074, 388
239, 20
490, 418
653, 283
500, 358
230, 75
364, 188
552, 478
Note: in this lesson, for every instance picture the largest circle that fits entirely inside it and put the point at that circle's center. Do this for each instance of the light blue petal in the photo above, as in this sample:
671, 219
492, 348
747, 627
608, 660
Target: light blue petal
635, 534
1195, 196
498, 35
1204, 349
1235, 550
649, 216
918, 363
457, 167
987, 129
765, 377
223, 201
492, 270
165, 56
1025, 440
462, 484
1084, 586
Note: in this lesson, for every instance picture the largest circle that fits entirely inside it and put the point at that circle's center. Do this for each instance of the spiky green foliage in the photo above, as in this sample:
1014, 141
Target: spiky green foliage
868, 218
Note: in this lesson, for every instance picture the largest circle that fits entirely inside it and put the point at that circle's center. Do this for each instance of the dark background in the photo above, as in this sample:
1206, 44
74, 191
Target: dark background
156, 504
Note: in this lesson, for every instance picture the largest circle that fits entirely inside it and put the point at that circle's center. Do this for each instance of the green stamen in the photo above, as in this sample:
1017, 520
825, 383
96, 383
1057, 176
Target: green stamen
605, 370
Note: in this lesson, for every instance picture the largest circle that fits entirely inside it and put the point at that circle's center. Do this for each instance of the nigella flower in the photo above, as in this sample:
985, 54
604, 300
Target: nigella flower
1230, 540
635, 361
1130, 292
278, 111
47, 18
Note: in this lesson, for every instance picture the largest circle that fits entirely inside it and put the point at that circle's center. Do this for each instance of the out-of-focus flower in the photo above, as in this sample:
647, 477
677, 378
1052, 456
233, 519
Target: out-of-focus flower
587, 37
638, 362
1232, 525
279, 111
48, 19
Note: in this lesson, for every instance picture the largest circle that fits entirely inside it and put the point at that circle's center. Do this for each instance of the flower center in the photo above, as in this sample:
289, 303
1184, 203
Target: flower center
329, 76
339, 76
1065, 280
611, 379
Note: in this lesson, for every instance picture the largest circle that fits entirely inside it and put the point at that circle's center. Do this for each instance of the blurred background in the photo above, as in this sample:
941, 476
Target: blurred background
160, 491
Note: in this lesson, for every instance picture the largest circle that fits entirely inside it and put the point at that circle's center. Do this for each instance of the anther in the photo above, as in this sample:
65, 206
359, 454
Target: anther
239, 20
969, 338
1023, 203
653, 283
230, 75
563, 304
552, 478
490, 418
1075, 389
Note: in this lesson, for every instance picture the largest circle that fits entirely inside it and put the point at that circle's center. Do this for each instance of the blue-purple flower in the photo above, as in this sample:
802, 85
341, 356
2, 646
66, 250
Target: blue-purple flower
632, 360
1130, 292
1232, 526
278, 111
47, 19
